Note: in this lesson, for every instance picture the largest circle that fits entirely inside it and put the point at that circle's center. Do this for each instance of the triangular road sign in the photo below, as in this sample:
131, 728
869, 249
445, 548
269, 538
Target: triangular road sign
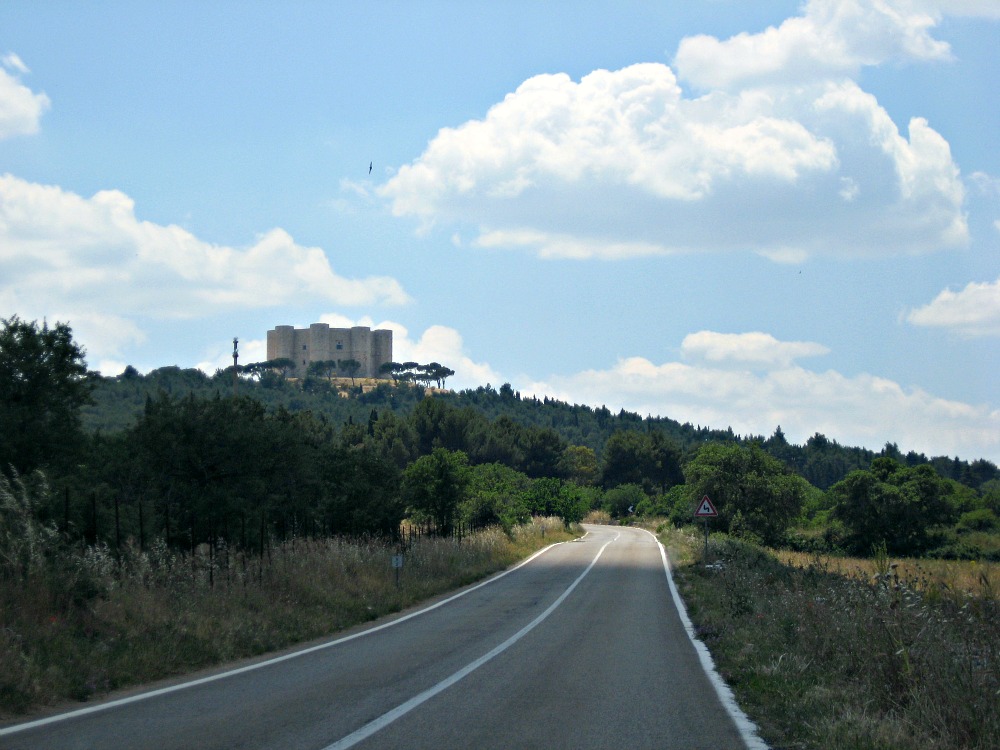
706, 509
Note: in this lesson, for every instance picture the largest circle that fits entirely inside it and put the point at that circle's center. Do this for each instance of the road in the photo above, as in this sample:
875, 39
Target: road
580, 647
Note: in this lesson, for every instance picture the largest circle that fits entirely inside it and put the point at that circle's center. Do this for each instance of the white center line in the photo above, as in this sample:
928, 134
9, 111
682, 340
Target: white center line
404, 708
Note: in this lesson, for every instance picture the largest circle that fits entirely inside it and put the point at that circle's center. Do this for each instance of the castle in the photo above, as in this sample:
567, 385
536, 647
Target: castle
319, 342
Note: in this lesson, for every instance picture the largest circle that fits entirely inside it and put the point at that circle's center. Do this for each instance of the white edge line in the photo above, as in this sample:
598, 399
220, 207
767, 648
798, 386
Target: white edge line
747, 729
260, 665
402, 709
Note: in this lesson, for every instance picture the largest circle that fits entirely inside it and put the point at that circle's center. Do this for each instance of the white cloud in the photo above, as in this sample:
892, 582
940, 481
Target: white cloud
622, 164
21, 109
832, 38
975, 8
109, 368
445, 346
747, 349
59, 250
973, 311
81, 257
110, 335
862, 410
12, 62
221, 356
566, 246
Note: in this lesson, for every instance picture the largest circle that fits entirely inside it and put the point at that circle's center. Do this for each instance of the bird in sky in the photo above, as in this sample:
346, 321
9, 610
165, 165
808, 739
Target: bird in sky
370, 167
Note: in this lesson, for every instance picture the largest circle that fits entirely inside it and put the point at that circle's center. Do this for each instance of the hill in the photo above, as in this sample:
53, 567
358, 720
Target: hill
119, 401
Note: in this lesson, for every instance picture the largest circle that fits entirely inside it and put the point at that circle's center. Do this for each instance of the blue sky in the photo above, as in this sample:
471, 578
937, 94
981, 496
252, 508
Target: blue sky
728, 213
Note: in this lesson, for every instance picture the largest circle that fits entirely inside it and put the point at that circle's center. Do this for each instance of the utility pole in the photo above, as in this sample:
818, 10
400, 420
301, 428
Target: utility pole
236, 371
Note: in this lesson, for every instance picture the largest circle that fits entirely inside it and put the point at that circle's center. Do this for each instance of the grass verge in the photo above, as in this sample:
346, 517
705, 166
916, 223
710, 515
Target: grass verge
80, 625
824, 654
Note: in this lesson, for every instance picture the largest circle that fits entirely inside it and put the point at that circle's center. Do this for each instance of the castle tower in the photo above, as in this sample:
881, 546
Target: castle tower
280, 343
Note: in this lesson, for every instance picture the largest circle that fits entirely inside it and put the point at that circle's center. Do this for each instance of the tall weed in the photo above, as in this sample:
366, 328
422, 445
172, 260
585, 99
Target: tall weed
78, 622
824, 660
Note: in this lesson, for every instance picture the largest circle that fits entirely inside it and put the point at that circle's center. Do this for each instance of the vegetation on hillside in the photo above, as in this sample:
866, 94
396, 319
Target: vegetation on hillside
192, 459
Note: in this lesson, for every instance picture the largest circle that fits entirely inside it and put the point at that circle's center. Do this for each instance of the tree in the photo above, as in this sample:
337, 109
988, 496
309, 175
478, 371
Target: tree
438, 373
392, 369
666, 457
753, 492
44, 382
496, 495
579, 464
543, 451
623, 500
270, 373
214, 466
350, 367
362, 492
323, 368
627, 459
435, 485
648, 459
894, 504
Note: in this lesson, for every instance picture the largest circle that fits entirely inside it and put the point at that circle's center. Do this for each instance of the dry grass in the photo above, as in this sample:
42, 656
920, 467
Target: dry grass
861, 656
932, 577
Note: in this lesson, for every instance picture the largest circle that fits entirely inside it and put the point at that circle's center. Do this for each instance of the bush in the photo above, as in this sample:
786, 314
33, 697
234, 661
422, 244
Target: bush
982, 519
623, 500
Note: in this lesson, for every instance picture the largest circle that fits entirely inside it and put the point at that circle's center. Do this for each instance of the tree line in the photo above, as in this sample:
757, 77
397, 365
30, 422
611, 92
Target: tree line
192, 463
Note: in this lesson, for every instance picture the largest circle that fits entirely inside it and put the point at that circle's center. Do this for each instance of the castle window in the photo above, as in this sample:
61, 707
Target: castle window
340, 345
304, 347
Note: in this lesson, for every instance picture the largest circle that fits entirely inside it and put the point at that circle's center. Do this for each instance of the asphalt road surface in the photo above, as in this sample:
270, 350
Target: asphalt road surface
580, 647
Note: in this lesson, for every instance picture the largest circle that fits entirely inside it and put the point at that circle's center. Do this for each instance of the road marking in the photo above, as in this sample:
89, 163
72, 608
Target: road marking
404, 708
260, 665
746, 728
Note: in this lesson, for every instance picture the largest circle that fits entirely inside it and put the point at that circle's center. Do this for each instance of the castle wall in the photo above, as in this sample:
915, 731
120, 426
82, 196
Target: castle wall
320, 342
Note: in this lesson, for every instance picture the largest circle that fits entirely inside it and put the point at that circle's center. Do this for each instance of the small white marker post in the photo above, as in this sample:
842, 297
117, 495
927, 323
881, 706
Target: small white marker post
705, 511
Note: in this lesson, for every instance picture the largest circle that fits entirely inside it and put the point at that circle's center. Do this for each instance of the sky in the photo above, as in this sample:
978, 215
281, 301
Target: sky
732, 214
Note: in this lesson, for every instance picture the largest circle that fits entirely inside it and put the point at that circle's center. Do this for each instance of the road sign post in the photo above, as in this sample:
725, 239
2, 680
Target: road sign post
705, 511
397, 564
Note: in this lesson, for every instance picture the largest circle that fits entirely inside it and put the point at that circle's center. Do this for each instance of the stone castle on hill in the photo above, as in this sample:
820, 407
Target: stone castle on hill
319, 342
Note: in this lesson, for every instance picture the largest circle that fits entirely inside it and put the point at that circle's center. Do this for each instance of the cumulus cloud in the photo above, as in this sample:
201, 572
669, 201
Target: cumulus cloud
861, 410
972, 312
445, 346
754, 349
58, 248
21, 108
623, 163
832, 38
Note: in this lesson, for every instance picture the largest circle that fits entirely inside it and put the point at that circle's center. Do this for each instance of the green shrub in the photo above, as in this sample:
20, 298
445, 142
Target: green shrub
982, 519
